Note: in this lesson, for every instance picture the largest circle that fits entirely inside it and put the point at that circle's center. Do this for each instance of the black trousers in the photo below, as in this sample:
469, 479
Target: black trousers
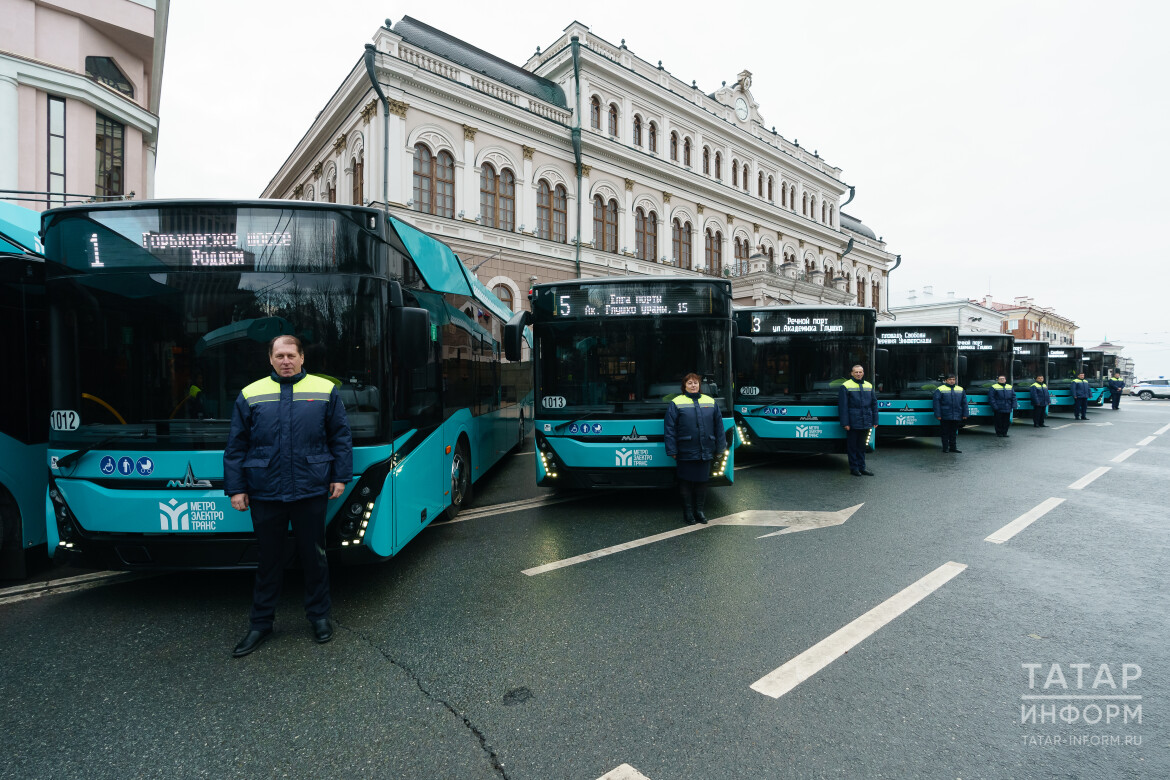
1003, 421
855, 447
270, 520
1038, 414
950, 432
1115, 398
1080, 408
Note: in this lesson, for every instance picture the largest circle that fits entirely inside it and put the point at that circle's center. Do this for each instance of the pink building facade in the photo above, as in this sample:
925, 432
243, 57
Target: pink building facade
80, 84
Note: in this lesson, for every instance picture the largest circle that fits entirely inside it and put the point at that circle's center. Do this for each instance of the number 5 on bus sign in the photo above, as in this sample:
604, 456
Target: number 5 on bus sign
64, 420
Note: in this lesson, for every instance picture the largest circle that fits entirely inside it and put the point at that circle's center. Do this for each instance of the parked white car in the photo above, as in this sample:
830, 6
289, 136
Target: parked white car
1150, 388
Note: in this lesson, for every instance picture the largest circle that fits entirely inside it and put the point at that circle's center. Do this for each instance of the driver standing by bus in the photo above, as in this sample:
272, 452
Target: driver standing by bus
857, 407
288, 452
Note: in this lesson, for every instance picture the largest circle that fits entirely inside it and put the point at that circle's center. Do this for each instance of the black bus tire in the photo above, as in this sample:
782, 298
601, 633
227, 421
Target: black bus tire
460, 479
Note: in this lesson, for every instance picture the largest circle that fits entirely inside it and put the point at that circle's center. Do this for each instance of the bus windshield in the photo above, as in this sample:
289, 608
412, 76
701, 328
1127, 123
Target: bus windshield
625, 365
795, 366
987, 359
1064, 363
160, 319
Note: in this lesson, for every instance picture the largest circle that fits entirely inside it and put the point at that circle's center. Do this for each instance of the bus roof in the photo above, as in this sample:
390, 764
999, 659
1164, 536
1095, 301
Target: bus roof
20, 229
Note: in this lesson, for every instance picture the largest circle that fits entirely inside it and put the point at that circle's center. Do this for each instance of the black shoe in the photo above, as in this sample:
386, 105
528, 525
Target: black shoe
254, 639
322, 630
700, 517
955, 450
855, 473
945, 450
867, 472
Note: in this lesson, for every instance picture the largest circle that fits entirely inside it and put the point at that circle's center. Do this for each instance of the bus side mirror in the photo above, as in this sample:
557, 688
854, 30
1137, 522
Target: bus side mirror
396, 295
881, 363
412, 335
962, 365
1017, 370
743, 352
514, 335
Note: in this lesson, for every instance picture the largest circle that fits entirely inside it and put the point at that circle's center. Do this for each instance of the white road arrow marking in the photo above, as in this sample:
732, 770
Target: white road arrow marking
794, 520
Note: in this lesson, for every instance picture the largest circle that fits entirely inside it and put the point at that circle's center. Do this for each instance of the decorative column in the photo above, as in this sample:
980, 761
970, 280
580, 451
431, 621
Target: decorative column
401, 187
9, 134
665, 231
469, 185
627, 234
586, 230
527, 193
372, 151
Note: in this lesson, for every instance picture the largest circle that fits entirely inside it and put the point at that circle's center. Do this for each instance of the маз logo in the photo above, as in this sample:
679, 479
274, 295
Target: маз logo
176, 515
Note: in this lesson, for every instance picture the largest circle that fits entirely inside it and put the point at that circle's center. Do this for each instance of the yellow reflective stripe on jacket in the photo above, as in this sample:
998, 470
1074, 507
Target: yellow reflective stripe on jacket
267, 390
998, 386
949, 389
849, 384
682, 400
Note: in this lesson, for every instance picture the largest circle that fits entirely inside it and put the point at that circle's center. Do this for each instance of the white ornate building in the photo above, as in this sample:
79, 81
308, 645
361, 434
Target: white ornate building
970, 316
666, 179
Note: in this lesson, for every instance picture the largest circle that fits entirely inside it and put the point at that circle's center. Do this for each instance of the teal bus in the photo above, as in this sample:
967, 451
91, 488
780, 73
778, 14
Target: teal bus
24, 408
1031, 361
789, 372
1093, 364
160, 312
983, 358
609, 354
1064, 363
912, 361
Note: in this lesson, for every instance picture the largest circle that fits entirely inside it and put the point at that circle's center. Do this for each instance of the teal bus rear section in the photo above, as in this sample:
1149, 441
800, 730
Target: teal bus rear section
1093, 364
162, 311
24, 408
1064, 363
790, 363
983, 358
912, 361
609, 354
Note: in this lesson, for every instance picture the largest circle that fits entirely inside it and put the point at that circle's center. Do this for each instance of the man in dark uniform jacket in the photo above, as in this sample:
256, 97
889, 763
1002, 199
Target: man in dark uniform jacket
1040, 400
288, 452
857, 407
1080, 395
1115, 384
950, 408
1003, 403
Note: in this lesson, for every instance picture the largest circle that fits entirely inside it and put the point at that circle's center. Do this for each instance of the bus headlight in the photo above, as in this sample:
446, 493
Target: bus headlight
548, 458
68, 529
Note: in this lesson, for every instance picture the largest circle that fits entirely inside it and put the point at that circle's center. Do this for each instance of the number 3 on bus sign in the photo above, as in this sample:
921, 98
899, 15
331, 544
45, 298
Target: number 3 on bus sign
64, 420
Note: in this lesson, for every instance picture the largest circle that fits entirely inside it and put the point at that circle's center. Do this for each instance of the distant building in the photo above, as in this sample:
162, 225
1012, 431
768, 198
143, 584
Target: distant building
1124, 364
927, 308
1026, 320
665, 178
79, 92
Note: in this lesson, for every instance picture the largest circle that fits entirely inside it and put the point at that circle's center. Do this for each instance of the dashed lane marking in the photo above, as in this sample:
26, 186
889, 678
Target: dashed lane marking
67, 585
1147, 440
782, 680
1024, 520
623, 772
1088, 478
1162, 430
510, 506
1123, 456
1066, 425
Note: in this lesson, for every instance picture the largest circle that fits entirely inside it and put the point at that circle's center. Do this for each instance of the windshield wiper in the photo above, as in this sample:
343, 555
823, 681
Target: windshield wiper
66, 461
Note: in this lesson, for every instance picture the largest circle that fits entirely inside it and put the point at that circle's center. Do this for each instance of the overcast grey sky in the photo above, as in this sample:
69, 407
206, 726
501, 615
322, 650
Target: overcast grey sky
1017, 147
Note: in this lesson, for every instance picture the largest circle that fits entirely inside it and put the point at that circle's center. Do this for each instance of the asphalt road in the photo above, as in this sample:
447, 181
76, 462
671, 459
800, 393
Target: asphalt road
450, 662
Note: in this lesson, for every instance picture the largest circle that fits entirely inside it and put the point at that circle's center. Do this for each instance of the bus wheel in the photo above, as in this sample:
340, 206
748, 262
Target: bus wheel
460, 479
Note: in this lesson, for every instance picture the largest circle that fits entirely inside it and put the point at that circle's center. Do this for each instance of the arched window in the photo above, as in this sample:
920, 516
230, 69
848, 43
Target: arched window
771, 256
735, 173
804, 204
687, 152
637, 130
828, 276
595, 113
356, 165
653, 138
331, 185
434, 182
706, 161
719, 165
504, 293
613, 117
605, 224
769, 188
674, 146
681, 244
860, 291
824, 213
713, 252
497, 198
760, 184
875, 296
812, 206
742, 250
745, 178
832, 217
552, 213
645, 235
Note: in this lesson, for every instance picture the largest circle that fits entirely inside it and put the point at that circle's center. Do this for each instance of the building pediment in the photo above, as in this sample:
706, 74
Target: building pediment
738, 97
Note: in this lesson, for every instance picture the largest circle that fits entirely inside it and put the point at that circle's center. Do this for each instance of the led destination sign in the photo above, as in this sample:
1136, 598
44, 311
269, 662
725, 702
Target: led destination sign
214, 249
781, 323
629, 301
981, 345
905, 337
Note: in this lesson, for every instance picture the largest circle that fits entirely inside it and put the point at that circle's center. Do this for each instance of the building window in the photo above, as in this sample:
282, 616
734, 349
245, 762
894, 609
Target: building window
783, 194
613, 119
681, 243
595, 113
674, 146
719, 165
769, 188
637, 130
745, 178
687, 152
824, 213
104, 69
713, 252
652, 133
804, 205
646, 240
434, 182
497, 198
357, 165
504, 293
560, 215
605, 224
111, 137
860, 291
56, 166
706, 161
828, 276
875, 296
